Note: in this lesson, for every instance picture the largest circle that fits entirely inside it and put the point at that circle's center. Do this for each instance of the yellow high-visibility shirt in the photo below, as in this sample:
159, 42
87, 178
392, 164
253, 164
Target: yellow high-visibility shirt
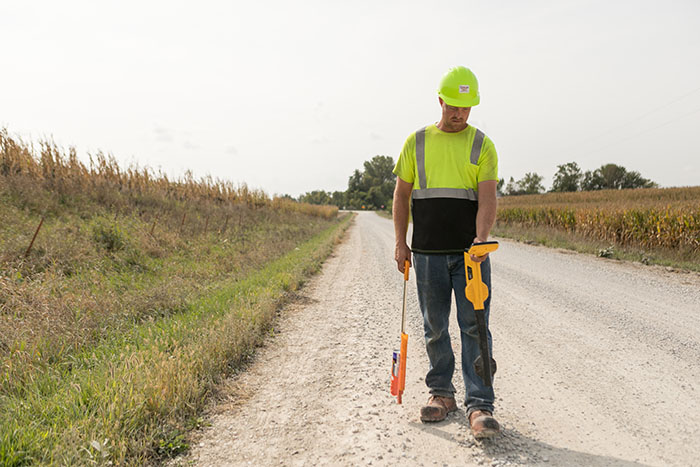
445, 170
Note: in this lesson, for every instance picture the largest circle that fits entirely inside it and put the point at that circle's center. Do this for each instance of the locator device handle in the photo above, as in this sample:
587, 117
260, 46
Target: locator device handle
476, 291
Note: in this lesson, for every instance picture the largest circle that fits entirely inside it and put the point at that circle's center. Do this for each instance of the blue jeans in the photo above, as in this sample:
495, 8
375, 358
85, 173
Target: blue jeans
437, 276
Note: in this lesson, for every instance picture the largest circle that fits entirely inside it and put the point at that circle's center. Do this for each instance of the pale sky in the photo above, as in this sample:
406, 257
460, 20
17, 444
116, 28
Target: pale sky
293, 96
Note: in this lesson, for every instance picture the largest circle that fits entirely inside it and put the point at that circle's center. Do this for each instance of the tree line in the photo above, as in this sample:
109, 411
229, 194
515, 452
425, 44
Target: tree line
373, 186
370, 188
569, 177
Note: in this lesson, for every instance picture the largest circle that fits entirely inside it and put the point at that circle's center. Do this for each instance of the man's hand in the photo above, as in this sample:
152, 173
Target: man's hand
401, 254
479, 259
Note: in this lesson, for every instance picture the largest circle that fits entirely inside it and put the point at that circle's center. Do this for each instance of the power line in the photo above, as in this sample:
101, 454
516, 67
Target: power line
656, 109
634, 120
656, 127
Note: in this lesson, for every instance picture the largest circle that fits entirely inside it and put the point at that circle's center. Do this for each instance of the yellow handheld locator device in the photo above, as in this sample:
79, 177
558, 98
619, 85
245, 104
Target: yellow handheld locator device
477, 292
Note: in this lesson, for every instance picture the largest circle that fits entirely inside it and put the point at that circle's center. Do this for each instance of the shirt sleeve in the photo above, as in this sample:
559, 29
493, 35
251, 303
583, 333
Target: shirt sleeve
405, 167
488, 162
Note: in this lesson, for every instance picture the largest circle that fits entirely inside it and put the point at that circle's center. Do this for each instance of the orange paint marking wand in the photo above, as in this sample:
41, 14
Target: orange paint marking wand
398, 367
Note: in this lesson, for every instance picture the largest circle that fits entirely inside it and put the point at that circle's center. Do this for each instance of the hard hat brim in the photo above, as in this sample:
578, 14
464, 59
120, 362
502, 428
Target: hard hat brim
459, 102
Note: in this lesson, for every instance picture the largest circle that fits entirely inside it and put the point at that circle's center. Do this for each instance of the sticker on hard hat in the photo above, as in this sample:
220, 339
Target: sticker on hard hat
464, 89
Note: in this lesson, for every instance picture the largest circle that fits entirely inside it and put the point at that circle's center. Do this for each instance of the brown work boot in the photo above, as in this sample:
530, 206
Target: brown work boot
437, 409
483, 424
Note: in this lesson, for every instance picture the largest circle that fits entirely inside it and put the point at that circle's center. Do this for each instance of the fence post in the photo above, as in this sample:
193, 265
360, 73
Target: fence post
31, 244
153, 227
183, 220
225, 225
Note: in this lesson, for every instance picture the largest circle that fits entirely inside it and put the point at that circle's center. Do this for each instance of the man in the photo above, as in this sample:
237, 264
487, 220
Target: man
449, 171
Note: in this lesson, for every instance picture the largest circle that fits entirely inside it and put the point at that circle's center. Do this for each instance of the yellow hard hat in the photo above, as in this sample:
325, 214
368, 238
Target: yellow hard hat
459, 87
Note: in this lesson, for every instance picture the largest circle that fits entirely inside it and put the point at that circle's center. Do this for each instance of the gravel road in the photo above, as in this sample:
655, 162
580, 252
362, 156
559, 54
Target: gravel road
598, 365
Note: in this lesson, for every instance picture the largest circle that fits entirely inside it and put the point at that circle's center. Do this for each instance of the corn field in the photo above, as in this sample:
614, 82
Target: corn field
62, 172
667, 218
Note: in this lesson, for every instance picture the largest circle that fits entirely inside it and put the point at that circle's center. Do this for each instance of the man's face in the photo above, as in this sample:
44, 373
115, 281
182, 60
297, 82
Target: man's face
454, 116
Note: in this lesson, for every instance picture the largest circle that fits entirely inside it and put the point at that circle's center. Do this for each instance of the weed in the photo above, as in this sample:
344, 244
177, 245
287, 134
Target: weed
172, 444
109, 235
608, 252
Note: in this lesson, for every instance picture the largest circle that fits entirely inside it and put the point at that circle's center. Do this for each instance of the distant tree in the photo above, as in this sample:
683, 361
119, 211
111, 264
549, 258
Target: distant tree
592, 180
530, 184
338, 198
634, 179
355, 184
374, 186
370, 188
316, 197
614, 177
375, 196
379, 170
512, 188
499, 187
567, 178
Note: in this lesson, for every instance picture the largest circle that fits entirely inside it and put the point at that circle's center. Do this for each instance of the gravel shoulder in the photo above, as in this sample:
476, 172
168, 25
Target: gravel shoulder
599, 364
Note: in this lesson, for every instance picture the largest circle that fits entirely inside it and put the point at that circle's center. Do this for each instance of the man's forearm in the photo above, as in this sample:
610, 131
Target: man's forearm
485, 218
400, 215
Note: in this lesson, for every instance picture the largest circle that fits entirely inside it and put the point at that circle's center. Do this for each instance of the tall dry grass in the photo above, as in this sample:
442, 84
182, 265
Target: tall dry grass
122, 252
677, 197
62, 173
122, 245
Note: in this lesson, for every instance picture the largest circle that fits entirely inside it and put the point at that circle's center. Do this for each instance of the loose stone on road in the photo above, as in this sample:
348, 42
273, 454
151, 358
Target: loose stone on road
599, 364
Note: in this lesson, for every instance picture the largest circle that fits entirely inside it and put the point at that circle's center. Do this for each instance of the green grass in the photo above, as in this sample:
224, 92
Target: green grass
131, 396
88, 276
